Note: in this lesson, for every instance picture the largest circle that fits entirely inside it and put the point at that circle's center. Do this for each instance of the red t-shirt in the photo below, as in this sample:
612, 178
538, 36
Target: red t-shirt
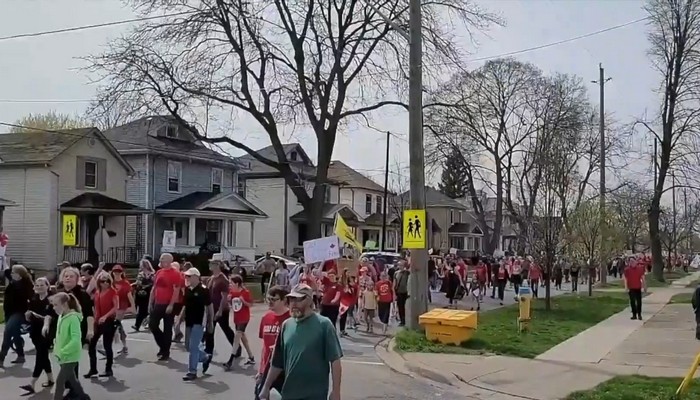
308, 280
123, 289
269, 330
633, 276
104, 302
462, 270
241, 312
349, 295
164, 283
535, 272
481, 272
384, 291
330, 289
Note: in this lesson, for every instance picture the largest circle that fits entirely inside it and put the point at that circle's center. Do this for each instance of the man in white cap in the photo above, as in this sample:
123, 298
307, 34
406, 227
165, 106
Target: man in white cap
307, 350
198, 313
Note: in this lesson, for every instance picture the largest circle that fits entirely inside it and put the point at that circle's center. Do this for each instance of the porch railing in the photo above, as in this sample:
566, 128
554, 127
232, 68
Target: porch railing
114, 255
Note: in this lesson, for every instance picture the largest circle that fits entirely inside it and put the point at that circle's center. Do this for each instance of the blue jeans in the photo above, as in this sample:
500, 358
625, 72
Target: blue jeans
13, 334
193, 337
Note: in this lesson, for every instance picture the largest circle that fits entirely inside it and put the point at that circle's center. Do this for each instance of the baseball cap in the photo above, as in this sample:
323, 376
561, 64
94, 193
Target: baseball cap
117, 268
301, 290
192, 272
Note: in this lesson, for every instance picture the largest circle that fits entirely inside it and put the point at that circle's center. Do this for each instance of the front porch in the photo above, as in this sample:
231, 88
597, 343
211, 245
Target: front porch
204, 222
464, 237
370, 232
93, 230
351, 218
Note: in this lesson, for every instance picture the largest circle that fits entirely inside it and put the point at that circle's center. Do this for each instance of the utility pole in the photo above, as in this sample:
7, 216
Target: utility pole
688, 220
385, 204
418, 290
674, 236
603, 267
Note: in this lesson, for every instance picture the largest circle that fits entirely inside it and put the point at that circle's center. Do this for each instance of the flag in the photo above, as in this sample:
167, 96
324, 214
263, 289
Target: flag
343, 231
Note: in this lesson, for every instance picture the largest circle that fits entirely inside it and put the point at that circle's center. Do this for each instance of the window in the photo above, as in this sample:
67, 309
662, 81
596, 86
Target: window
217, 179
477, 244
470, 243
90, 175
174, 176
171, 132
379, 204
179, 229
457, 242
293, 156
452, 216
368, 204
460, 217
240, 187
327, 194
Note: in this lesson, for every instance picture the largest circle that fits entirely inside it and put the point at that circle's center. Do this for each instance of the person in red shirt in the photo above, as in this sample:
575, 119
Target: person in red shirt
179, 302
106, 307
126, 302
241, 300
462, 269
482, 272
348, 301
270, 326
330, 299
385, 296
534, 274
167, 287
634, 284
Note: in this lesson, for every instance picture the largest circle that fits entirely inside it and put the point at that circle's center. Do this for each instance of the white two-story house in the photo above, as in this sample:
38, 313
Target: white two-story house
348, 193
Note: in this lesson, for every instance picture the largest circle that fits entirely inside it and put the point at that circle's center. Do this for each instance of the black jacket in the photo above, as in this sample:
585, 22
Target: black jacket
17, 295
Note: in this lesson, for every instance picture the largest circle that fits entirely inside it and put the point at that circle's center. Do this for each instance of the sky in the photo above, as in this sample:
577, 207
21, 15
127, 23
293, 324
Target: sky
44, 73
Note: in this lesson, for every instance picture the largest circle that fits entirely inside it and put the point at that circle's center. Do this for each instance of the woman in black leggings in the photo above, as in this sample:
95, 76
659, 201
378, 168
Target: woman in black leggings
40, 317
142, 291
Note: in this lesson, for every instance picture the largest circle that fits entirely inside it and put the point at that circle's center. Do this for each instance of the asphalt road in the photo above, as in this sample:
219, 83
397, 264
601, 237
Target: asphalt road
140, 376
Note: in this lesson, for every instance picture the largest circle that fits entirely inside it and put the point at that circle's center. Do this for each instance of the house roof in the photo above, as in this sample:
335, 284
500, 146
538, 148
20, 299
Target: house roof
90, 201
250, 166
434, 198
40, 147
7, 203
465, 228
206, 201
376, 219
346, 176
138, 136
329, 212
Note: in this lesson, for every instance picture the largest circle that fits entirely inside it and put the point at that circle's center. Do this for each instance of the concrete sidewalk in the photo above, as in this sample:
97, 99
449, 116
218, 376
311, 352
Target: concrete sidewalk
663, 344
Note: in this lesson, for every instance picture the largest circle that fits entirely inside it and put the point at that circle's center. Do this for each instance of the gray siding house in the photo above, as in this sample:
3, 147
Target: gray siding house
187, 188
67, 191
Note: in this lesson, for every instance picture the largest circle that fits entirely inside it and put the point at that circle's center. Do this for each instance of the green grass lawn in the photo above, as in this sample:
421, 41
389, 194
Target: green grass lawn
651, 282
497, 329
637, 388
681, 298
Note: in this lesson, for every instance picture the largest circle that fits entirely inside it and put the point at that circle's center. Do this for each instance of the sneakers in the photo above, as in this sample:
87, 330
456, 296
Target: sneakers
189, 377
206, 363
250, 361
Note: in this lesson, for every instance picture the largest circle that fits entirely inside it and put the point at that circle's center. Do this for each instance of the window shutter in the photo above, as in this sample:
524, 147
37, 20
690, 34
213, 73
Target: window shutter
101, 175
80, 173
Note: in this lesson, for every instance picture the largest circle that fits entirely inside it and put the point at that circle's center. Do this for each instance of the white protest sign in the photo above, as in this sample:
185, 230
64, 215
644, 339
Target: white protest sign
323, 249
169, 240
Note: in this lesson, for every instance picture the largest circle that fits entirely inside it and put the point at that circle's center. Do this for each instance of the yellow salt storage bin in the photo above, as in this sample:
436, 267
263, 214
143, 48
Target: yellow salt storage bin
449, 326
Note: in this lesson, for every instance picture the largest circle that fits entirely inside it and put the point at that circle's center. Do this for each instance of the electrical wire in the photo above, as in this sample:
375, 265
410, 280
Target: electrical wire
91, 26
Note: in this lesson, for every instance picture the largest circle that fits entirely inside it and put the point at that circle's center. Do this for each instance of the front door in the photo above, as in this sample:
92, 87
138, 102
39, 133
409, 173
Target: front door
92, 224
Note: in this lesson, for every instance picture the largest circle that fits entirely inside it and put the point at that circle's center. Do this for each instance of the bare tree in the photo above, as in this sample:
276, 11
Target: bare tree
108, 113
677, 227
279, 64
630, 205
484, 120
675, 54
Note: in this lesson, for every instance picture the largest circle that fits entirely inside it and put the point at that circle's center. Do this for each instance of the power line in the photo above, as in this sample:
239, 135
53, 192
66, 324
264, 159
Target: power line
92, 26
443, 64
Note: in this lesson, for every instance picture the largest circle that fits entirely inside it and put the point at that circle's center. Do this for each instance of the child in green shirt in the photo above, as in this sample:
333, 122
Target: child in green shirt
68, 344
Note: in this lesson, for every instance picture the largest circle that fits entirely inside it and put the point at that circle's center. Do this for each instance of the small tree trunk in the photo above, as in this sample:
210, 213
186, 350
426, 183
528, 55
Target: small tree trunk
657, 268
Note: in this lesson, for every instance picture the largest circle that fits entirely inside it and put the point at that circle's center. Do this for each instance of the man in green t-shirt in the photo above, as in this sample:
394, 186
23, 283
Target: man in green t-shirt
307, 350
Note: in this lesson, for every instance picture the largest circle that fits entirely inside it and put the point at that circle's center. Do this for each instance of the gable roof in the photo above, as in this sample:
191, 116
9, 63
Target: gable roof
41, 147
97, 201
252, 167
137, 137
434, 198
204, 201
340, 172
328, 213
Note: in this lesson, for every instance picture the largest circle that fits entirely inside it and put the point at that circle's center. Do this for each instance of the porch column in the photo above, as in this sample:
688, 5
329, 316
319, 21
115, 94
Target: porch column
224, 233
191, 232
252, 234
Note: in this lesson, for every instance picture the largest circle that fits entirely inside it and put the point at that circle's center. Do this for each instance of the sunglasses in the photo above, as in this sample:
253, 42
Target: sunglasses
104, 281
297, 299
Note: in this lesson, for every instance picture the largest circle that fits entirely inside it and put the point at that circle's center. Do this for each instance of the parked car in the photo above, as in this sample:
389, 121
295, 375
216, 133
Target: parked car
247, 265
389, 258
291, 262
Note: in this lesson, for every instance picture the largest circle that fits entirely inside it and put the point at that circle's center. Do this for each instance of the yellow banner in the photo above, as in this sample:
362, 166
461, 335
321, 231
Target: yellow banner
344, 233
70, 230
414, 229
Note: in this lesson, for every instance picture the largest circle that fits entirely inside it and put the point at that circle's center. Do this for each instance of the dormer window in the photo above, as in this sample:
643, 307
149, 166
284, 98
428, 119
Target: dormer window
171, 132
293, 156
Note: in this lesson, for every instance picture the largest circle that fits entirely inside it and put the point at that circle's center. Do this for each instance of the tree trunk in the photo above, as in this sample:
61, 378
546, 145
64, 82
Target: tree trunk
657, 268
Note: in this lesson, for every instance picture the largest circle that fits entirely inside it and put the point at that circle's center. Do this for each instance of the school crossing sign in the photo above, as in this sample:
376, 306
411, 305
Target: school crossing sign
414, 229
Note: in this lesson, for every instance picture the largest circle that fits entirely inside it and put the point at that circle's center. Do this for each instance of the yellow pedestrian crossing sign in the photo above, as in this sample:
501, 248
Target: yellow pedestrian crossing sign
70, 228
414, 229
